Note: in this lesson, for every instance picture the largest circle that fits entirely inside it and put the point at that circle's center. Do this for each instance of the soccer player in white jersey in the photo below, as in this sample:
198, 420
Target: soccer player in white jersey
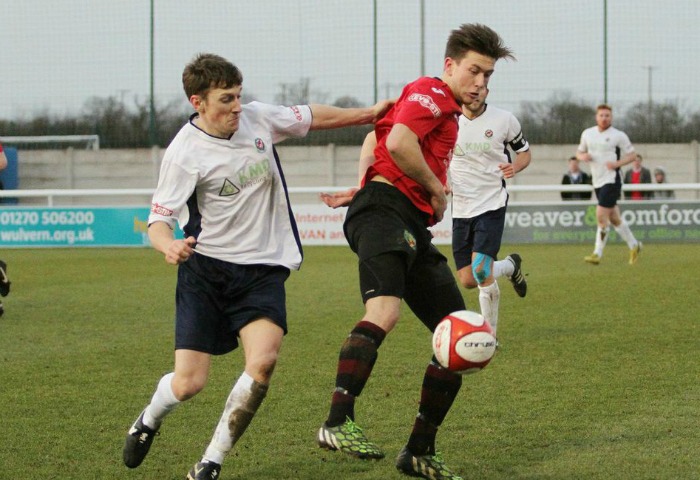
221, 179
480, 164
607, 149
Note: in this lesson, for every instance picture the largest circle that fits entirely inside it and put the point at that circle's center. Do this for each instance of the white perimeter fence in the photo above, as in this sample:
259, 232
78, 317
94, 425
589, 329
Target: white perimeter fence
52, 194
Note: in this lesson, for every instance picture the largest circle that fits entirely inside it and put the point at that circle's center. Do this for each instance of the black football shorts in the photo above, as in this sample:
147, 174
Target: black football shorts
608, 194
481, 234
215, 299
396, 255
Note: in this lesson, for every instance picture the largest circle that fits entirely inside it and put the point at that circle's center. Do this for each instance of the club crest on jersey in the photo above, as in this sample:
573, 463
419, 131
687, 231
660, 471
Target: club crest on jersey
259, 145
426, 102
488, 133
228, 189
410, 239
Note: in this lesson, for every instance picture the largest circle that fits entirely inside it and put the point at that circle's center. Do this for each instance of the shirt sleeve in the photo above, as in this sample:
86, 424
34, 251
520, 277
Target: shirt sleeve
516, 140
176, 183
625, 144
582, 145
285, 122
420, 112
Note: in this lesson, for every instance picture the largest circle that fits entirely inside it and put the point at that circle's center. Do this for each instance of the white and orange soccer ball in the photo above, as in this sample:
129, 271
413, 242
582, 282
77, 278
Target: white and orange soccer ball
463, 342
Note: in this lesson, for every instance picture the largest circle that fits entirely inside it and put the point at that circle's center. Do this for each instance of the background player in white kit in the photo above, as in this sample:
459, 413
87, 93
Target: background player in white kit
221, 179
607, 149
480, 164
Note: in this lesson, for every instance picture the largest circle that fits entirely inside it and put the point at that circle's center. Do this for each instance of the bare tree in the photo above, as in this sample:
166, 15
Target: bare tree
560, 119
299, 93
655, 123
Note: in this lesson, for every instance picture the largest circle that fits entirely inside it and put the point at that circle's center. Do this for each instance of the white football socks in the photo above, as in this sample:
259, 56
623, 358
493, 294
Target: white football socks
241, 405
488, 301
601, 238
626, 234
162, 403
503, 268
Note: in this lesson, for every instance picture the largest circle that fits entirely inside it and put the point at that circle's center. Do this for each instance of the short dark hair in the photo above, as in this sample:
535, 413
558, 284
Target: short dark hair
603, 106
478, 38
207, 71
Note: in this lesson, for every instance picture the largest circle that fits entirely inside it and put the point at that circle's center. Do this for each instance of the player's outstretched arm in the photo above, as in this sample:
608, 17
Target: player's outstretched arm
327, 116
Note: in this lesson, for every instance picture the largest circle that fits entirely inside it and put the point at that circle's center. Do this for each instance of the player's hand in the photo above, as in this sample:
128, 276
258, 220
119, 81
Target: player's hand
381, 107
338, 199
439, 204
611, 165
507, 170
180, 250
586, 157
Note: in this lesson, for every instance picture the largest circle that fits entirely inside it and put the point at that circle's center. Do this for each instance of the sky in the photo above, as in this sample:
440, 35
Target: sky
56, 55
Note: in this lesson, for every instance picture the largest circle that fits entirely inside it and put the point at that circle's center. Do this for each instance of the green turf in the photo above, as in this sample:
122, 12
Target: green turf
597, 377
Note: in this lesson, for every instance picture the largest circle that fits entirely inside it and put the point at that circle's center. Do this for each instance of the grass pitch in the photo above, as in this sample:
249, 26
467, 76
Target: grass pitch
597, 377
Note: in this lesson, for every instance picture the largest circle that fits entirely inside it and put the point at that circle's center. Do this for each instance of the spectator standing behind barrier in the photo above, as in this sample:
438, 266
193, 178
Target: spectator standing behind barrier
3, 166
576, 176
638, 174
660, 177
4, 281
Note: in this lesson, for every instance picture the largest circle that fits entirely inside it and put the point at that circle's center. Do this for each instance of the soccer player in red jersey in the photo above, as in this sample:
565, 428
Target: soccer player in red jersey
403, 192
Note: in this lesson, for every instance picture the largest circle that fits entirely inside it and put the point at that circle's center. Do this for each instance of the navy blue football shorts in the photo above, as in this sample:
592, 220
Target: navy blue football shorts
215, 299
481, 234
608, 194
396, 255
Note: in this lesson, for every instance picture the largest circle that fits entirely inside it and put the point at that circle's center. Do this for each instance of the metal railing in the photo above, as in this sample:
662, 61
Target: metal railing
92, 142
52, 194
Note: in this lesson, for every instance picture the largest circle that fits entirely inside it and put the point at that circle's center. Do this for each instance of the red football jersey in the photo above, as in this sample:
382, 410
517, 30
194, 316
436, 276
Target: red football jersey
428, 107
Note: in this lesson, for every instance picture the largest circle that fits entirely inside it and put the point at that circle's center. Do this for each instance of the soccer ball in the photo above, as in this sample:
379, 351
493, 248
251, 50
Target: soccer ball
463, 342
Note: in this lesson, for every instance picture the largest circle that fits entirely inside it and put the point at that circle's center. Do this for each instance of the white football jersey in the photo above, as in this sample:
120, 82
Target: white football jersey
607, 146
477, 183
230, 193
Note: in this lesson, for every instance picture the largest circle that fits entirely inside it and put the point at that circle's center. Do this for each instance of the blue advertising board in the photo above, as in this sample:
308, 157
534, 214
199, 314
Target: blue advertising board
74, 227
570, 222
